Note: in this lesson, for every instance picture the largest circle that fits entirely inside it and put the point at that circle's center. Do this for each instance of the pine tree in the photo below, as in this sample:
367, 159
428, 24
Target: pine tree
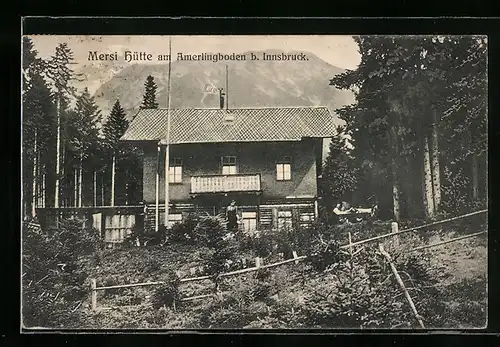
339, 174
116, 125
29, 57
149, 100
113, 130
60, 74
37, 119
37, 110
82, 135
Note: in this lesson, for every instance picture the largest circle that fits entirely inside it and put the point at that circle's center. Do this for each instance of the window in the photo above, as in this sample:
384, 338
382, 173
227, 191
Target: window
306, 219
284, 219
249, 221
228, 165
174, 218
175, 171
283, 169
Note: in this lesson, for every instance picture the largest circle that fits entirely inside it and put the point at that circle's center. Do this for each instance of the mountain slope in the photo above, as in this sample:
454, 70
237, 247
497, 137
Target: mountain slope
251, 83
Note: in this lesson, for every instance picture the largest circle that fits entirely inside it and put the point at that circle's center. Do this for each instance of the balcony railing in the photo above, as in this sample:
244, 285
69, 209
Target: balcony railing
225, 183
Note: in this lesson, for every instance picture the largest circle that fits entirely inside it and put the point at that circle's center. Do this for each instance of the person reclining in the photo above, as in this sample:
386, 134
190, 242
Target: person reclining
343, 208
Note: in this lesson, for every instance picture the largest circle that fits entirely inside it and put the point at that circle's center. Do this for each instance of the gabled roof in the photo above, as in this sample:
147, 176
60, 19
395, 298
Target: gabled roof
194, 125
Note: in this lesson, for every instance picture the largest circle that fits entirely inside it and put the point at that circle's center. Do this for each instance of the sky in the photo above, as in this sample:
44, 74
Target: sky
340, 51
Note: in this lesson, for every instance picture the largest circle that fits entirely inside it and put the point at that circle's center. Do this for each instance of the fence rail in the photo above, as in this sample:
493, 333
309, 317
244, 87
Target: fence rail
391, 234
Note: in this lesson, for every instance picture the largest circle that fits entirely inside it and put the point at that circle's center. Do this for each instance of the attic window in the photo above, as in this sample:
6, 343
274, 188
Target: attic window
284, 168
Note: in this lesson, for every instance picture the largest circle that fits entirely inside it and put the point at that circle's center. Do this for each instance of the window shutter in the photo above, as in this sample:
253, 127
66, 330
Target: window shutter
266, 218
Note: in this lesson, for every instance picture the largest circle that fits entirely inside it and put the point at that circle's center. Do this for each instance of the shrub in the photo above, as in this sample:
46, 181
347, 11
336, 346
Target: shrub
218, 257
151, 266
167, 294
108, 282
210, 231
237, 308
184, 232
146, 237
261, 244
54, 281
351, 299
361, 292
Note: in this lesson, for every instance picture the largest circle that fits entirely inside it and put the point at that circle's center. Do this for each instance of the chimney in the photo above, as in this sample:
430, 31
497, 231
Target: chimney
221, 97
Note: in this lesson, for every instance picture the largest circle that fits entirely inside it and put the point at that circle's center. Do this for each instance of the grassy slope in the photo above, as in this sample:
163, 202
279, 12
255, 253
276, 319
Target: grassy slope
461, 266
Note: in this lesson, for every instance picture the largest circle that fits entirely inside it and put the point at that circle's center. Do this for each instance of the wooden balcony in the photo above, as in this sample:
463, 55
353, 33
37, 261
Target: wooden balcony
225, 183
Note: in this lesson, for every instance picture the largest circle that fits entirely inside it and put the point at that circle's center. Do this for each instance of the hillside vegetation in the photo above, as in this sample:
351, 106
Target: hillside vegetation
331, 290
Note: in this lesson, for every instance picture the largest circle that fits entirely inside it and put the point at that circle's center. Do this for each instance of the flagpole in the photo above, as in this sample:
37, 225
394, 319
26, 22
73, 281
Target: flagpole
157, 187
167, 145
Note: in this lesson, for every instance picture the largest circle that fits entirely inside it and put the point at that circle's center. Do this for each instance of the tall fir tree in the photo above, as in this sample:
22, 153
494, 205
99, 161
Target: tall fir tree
339, 176
83, 141
149, 99
38, 129
118, 153
60, 74
116, 125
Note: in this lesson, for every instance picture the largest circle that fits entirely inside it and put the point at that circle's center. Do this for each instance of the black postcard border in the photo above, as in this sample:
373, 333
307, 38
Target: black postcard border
248, 26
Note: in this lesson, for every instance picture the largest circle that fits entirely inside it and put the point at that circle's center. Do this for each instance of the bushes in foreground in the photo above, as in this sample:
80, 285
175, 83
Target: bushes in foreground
329, 290
54, 277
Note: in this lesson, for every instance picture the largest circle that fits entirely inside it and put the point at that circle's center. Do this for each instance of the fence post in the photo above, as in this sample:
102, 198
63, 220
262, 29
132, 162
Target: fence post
350, 244
401, 284
93, 294
295, 256
394, 229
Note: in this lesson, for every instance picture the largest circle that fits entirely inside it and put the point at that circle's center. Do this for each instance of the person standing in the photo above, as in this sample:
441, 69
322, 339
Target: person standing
232, 217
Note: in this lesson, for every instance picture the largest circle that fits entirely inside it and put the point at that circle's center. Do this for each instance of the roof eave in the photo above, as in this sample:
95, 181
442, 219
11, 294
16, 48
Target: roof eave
230, 141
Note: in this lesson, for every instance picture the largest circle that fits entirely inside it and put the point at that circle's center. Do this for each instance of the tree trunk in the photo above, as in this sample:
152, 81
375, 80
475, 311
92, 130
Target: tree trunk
102, 189
75, 188
126, 193
58, 152
395, 199
44, 191
94, 185
436, 176
475, 177
35, 171
126, 178
113, 173
39, 180
407, 184
427, 181
80, 180
393, 141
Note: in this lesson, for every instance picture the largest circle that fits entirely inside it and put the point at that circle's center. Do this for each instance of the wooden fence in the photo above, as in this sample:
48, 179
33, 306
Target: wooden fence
114, 223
